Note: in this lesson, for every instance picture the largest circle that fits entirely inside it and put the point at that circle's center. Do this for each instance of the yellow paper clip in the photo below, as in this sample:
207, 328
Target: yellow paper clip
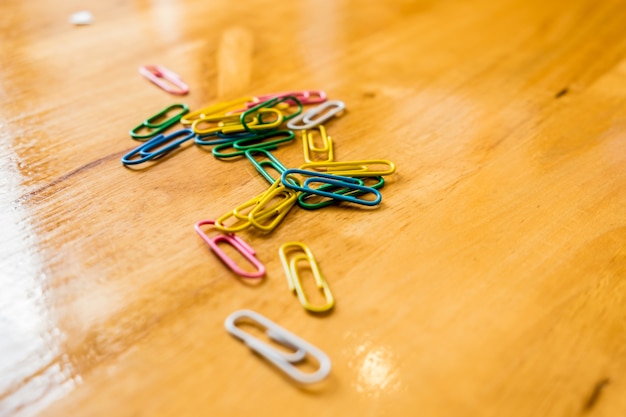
232, 123
364, 168
218, 108
291, 254
238, 225
258, 209
309, 145
269, 208
216, 123
240, 214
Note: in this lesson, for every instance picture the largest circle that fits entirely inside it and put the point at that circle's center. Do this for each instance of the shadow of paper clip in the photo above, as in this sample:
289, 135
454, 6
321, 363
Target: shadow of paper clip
282, 360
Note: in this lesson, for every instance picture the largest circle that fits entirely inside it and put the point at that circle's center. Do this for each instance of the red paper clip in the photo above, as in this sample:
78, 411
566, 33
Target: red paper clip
164, 78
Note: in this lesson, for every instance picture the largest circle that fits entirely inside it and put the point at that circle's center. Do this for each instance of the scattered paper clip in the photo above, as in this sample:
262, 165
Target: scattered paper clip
267, 106
291, 254
157, 147
326, 150
354, 186
321, 113
249, 120
364, 168
165, 79
282, 360
259, 140
242, 247
272, 208
310, 201
264, 212
218, 108
305, 97
155, 124
269, 161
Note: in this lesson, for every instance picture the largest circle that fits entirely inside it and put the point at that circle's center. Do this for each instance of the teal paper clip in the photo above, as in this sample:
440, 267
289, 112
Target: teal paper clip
269, 161
351, 198
257, 142
320, 201
155, 126
335, 180
215, 140
222, 138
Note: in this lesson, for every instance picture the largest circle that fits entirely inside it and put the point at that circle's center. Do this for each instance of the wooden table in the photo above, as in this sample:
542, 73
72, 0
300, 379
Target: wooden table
489, 281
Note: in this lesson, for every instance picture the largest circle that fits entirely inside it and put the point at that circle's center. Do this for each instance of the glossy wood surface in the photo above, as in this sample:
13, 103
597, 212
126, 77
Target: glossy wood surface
489, 282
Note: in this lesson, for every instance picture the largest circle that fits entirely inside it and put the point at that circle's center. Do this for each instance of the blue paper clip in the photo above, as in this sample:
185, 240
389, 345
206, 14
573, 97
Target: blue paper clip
335, 180
154, 148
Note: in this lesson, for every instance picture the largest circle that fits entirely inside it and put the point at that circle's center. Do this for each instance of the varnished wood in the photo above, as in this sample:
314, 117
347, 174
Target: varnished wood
490, 282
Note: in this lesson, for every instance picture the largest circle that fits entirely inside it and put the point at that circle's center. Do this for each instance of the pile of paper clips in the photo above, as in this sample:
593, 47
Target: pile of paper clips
251, 127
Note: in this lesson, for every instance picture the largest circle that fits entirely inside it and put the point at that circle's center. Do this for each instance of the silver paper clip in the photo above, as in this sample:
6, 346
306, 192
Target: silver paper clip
317, 115
284, 361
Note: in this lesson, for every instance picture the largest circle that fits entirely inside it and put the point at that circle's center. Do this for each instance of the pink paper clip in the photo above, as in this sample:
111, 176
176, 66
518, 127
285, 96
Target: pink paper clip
164, 78
304, 97
313, 97
242, 247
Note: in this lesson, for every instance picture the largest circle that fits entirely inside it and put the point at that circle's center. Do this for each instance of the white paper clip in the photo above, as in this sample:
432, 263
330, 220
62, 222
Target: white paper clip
284, 361
84, 17
323, 112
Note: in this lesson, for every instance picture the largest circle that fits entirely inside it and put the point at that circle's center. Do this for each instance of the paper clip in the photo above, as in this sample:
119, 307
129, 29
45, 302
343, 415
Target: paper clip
365, 168
242, 247
321, 113
232, 123
259, 140
266, 106
282, 360
275, 212
156, 147
320, 201
300, 95
349, 183
264, 211
314, 97
308, 143
165, 79
290, 254
350, 197
216, 124
269, 161
213, 109
304, 97
214, 140
241, 222
155, 126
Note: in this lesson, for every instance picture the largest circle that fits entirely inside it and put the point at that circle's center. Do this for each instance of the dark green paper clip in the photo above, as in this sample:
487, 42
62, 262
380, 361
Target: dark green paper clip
154, 126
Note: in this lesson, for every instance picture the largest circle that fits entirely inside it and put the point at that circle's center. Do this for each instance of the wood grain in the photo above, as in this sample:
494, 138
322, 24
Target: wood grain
489, 282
